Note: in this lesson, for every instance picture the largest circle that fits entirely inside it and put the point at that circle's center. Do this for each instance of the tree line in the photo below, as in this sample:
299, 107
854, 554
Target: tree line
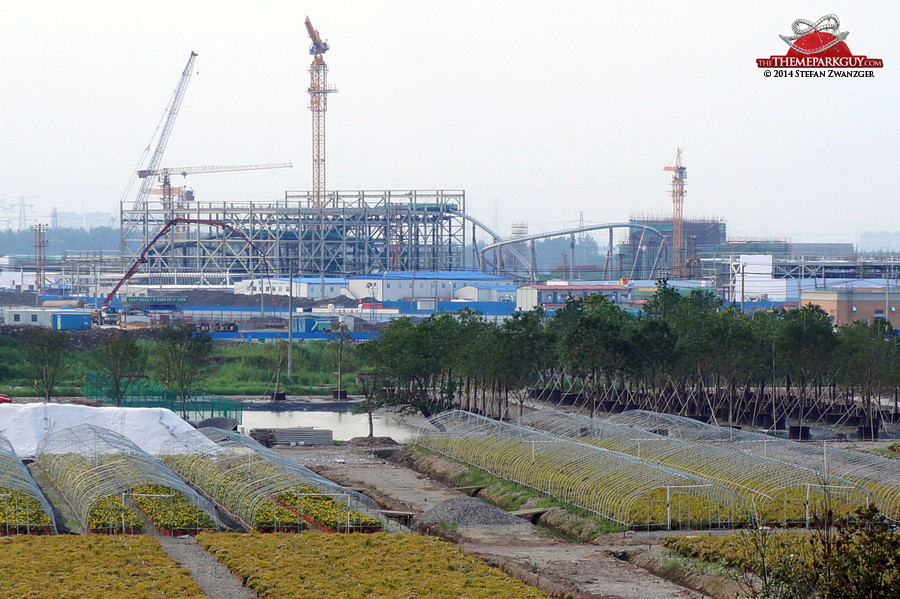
679, 353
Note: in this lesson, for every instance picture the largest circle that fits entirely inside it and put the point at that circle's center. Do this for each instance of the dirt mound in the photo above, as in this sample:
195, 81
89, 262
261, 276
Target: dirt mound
372, 442
16, 298
468, 511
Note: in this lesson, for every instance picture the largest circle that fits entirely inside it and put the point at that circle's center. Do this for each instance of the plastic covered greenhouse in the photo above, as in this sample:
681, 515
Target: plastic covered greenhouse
880, 476
780, 492
23, 508
613, 485
106, 479
265, 490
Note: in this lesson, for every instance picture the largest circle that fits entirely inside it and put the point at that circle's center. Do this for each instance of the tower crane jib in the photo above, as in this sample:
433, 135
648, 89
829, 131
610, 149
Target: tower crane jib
171, 113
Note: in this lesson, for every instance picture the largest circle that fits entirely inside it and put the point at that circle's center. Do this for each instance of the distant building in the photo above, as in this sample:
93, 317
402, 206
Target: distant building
856, 304
306, 287
487, 293
409, 286
553, 296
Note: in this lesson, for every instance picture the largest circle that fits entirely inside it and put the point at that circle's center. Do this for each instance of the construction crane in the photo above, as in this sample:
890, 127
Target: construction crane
679, 176
171, 113
106, 314
318, 103
184, 171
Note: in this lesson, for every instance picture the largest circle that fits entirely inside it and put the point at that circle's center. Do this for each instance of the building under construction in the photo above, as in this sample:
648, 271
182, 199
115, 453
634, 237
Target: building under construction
637, 256
351, 233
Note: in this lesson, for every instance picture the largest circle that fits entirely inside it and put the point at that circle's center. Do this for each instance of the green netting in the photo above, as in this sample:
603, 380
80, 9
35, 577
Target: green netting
779, 492
612, 485
265, 490
106, 478
142, 393
23, 508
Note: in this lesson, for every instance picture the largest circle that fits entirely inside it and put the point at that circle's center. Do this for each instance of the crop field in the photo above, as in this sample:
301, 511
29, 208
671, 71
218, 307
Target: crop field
776, 491
383, 566
22, 514
612, 485
74, 566
736, 550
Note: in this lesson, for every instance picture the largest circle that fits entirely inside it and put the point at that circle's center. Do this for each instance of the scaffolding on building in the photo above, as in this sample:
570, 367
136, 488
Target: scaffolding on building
355, 232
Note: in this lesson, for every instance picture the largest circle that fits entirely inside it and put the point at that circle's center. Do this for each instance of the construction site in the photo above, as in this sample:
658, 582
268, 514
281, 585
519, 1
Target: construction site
171, 240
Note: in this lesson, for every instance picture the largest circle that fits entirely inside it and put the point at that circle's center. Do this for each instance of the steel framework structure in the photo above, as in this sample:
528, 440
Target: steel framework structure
90, 464
778, 491
613, 485
23, 507
255, 484
354, 232
879, 476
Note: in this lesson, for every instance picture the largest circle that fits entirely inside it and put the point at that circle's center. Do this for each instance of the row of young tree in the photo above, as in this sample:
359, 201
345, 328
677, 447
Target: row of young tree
677, 352
179, 358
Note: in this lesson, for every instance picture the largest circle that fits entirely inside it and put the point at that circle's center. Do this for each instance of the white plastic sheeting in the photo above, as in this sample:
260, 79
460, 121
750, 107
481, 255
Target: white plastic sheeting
26, 425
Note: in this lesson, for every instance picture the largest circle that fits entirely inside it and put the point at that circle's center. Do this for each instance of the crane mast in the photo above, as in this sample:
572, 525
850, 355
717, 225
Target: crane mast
171, 113
679, 176
318, 103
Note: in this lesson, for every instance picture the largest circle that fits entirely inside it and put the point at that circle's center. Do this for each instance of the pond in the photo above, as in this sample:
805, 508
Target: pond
345, 425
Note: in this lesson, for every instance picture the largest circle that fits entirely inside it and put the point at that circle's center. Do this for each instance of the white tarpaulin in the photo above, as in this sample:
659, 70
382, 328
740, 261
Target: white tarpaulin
25, 425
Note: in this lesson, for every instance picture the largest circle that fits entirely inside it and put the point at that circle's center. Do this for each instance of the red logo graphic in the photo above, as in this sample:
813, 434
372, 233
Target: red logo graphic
818, 45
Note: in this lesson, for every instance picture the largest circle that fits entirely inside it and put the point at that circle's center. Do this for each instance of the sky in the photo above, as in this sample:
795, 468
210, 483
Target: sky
543, 112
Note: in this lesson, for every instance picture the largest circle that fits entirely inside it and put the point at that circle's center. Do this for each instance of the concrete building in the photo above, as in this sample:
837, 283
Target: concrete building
852, 304
307, 287
487, 293
553, 296
394, 286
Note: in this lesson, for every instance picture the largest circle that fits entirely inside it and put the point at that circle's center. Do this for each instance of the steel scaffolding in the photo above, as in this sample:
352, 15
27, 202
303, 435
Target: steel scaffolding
355, 232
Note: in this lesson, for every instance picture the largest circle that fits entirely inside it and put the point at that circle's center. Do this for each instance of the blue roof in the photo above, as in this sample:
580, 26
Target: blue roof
313, 280
497, 287
446, 275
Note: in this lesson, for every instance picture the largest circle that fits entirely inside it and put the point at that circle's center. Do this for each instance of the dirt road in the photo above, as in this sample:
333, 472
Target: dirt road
585, 571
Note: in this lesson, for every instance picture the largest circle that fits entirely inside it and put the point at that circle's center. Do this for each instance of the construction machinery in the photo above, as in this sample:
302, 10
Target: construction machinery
318, 103
679, 176
108, 315
168, 191
171, 113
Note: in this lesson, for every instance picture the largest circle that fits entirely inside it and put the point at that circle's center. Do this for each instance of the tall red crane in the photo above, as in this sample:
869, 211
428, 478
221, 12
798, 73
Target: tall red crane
318, 103
679, 176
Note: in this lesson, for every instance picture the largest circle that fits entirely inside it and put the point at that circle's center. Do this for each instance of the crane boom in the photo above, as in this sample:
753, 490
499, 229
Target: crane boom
171, 113
142, 259
318, 47
184, 171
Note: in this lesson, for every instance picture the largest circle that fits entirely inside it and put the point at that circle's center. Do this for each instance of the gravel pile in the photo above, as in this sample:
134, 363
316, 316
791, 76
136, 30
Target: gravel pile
468, 511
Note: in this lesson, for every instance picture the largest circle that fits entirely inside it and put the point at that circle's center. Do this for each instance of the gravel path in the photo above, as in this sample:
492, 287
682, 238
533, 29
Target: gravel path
468, 511
216, 580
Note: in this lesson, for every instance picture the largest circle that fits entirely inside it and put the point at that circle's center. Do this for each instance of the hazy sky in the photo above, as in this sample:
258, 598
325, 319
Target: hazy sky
543, 109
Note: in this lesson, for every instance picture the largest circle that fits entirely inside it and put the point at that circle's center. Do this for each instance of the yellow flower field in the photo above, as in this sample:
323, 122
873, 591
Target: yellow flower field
76, 566
359, 566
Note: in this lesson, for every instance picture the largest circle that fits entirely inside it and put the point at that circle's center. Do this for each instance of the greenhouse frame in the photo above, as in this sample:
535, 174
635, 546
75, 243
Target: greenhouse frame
879, 476
612, 485
779, 492
103, 476
23, 507
267, 491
